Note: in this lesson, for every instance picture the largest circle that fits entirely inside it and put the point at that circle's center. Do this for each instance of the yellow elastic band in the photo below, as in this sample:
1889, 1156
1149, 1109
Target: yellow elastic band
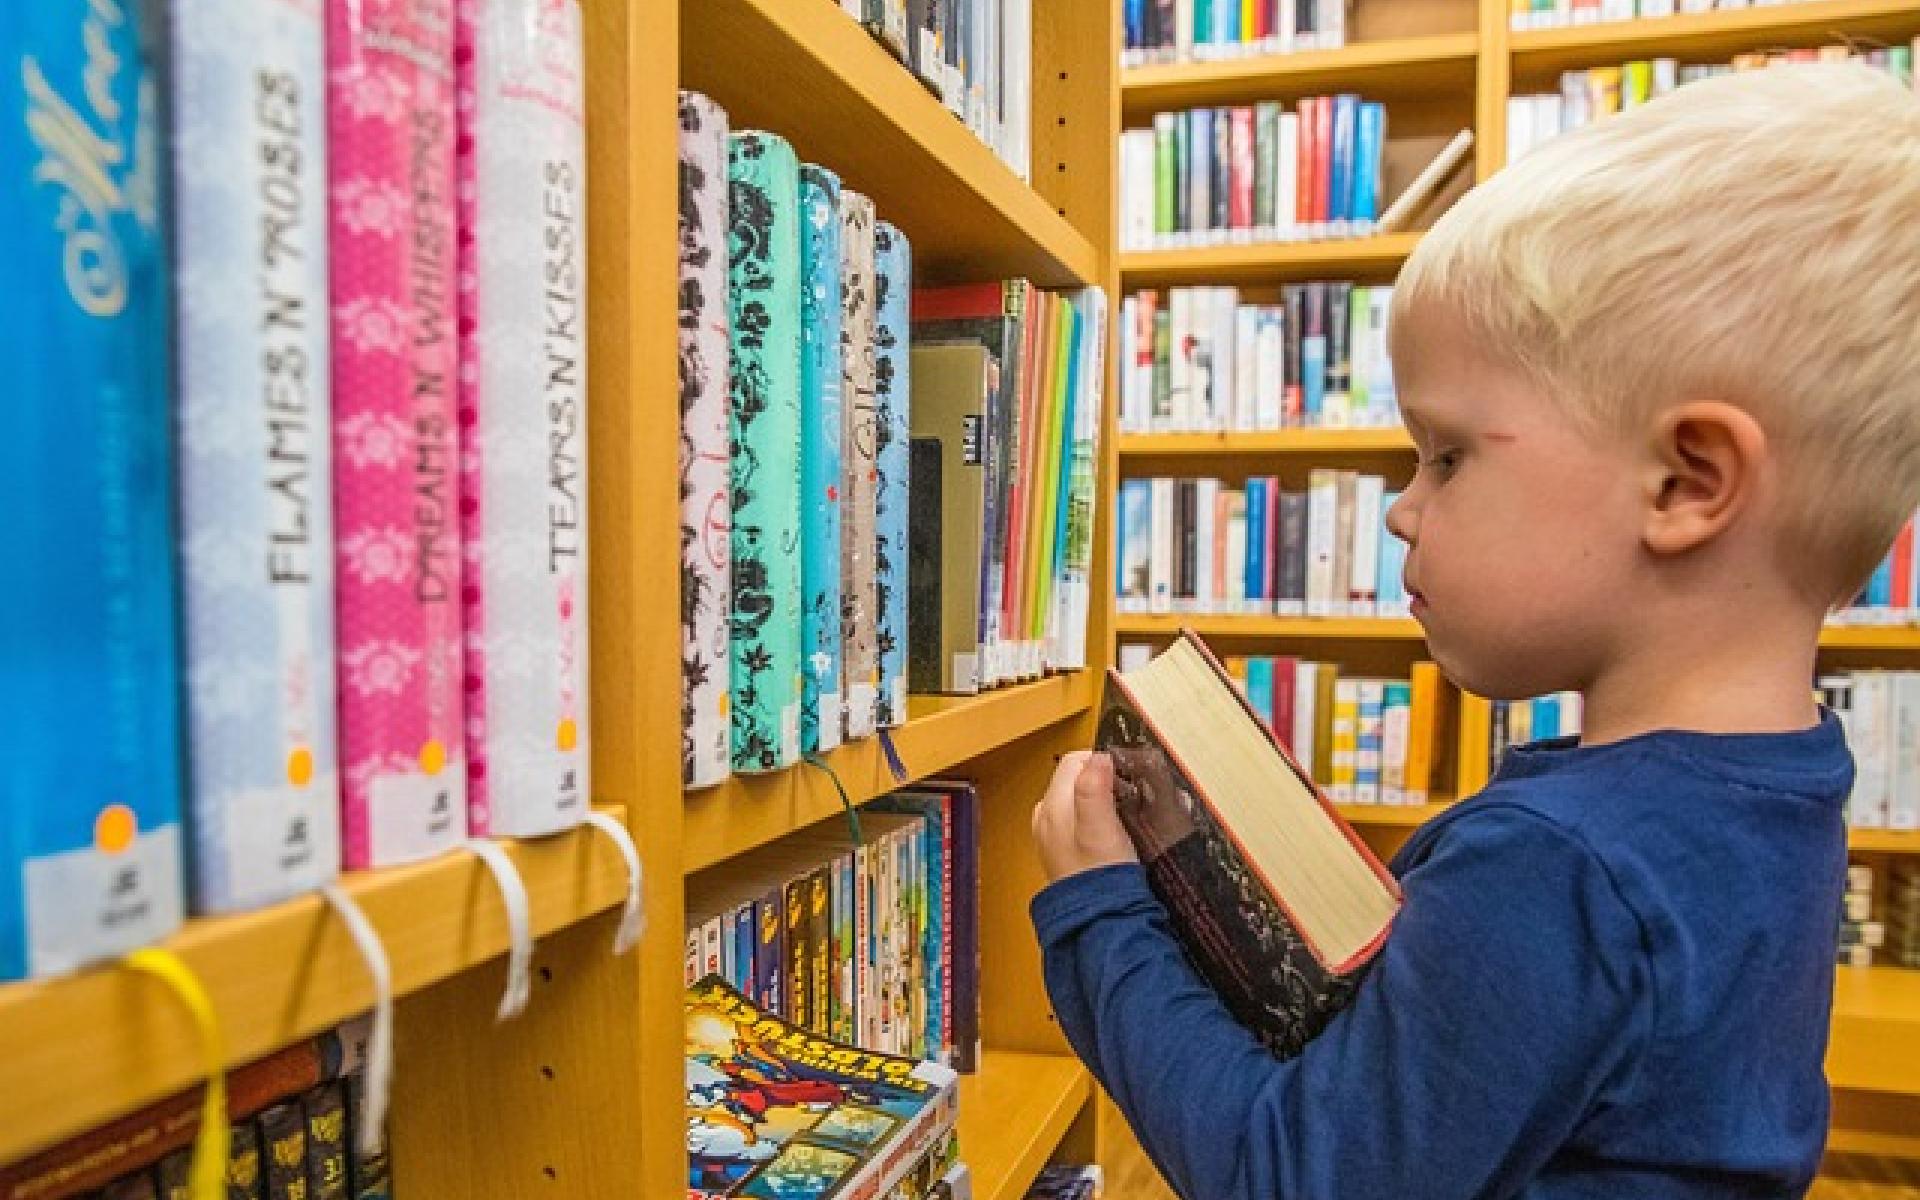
207, 1179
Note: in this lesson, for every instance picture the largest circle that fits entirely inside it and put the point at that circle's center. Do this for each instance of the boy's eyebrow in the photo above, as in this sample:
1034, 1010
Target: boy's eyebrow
1500, 435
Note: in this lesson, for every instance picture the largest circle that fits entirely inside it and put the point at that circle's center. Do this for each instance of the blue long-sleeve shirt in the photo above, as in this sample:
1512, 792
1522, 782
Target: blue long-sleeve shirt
1612, 977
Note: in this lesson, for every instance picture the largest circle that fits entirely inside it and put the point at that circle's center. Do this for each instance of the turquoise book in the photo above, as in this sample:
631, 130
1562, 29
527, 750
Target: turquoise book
892, 389
90, 844
764, 288
821, 369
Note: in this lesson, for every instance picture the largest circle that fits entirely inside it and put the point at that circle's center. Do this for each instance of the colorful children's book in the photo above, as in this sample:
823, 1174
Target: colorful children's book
706, 511
523, 417
859, 465
893, 391
776, 1113
391, 134
822, 375
256, 496
765, 291
90, 804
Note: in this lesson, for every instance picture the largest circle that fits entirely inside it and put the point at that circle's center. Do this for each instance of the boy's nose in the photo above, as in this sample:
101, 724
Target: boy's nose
1403, 518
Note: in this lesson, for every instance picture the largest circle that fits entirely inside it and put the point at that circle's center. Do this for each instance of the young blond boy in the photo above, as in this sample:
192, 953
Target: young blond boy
1664, 378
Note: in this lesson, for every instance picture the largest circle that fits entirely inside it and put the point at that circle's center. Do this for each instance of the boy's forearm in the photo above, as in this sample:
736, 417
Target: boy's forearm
1185, 1074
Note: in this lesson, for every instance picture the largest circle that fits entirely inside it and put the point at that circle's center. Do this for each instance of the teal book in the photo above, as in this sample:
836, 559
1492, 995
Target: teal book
1369, 146
90, 843
892, 389
821, 370
764, 286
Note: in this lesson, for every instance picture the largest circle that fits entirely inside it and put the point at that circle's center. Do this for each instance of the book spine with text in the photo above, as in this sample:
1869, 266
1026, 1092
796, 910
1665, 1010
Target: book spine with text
822, 374
859, 435
893, 391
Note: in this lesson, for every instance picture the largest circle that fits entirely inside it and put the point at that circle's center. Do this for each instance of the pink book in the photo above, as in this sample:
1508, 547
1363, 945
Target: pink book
390, 122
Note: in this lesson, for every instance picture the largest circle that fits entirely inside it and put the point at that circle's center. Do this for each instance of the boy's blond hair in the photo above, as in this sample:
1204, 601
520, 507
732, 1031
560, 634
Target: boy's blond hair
1753, 238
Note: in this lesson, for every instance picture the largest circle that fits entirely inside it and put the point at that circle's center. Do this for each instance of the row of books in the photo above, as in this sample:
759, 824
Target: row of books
1899, 913
1160, 31
875, 944
1880, 711
1067, 1181
368, 421
975, 55
1587, 96
1517, 722
1202, 359
1253, 173
1891, 595
1553, 14
817, 585
1198, 546
297, 1115
778, 1112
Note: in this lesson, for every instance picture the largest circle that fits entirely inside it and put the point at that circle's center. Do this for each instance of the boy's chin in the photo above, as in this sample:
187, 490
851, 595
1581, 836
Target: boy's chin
1488, 676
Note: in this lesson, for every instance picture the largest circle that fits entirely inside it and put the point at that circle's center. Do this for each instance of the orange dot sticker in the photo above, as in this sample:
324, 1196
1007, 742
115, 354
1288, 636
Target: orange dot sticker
568, 735
726, 703
300, 767
114, 829
433, 756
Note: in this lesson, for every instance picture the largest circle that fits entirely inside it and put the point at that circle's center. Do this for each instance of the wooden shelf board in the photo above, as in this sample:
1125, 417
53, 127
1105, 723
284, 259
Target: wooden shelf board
1710, 36
1013, 1114
1346, 628
1392, 440
1398, 816
1268, 263
750, 810
1883, 841
865, 116
1870, 637
1873, 1143
1394, 68
274, 976
1876, 1030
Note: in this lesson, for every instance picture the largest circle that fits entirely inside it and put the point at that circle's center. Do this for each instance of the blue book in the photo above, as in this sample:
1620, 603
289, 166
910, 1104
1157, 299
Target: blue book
1057, 568
1366, 769
1313, 375
1368, 147
892, 390
740, 929
1260, 688
1257, 537
1134, 564
1391, 581
1200, 169
90, 840
1340, 184
1226, 22
1546, 718
1879, 592
1203, 21
821, 372
1136, 14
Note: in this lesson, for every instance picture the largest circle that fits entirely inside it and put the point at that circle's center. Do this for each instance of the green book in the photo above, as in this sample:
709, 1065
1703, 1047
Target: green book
1266, 144
1166, 154
764, 279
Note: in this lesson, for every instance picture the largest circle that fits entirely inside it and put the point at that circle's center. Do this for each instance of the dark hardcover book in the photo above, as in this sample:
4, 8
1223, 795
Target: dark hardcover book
799, 981
371, 1174
774, 1112
1186, 539
1295, 298
1498, 738
925, 584
745, 935
1066, 1183
966, 927
326, 1113
1221, 191
1183, 172
819, 891
1266, 147
1339, 353
283, 1136
769, 951
175, 1173
1278, 903
1166, 33
246, 1172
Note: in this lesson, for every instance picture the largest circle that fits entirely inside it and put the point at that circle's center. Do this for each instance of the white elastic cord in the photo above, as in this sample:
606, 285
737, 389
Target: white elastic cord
513, 894
372, 1131
633, 916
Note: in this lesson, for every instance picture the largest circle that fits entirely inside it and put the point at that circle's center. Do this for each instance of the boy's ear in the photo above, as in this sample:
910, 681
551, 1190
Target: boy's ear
1704, 469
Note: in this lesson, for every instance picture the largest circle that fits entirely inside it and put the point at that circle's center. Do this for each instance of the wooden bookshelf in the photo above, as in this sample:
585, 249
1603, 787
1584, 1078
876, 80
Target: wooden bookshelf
1319, 442
275, 976
1012, 1115
816, 77
1876, 1030
1391, 68
1711, 36
1274, 262
1884, 841
751, 810
1392, 816
1236, 626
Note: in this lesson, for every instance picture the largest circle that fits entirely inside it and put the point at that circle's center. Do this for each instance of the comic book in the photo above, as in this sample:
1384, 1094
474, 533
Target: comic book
777, 1113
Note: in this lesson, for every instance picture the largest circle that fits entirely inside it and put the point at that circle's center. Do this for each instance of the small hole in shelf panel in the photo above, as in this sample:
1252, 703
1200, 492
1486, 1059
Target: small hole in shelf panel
551, 1174
546, 974
1063, 77
1060, 121
546, 1073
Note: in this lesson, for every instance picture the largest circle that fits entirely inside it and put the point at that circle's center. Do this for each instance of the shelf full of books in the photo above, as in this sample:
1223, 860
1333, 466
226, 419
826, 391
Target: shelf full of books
1432, 64
1696, 29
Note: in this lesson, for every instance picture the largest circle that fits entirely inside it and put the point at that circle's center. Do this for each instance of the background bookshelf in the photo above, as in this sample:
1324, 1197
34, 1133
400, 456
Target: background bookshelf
1438, 63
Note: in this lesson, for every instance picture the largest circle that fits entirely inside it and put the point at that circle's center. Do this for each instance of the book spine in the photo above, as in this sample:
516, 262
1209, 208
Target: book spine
245, 1171
1287, 555
706, 513
1335, 408
1341, 161
1083, 481
522, 253
1287, 217
764, 292
397, 488
1391, 600
1266, 148
1200, 143
325, 1110
1369, 149
1359, 360
249, 102
371, 1173
822, 373
1371, 694
1395, 730
770, 950
1322, 190
283, 1133
798, 968
1314, 356
1364, 580
859, 432
1343, 543
1323, 502
893, 281
93, 800
1345, 744
1903, 783
817, 889
1244, 171
1222, 162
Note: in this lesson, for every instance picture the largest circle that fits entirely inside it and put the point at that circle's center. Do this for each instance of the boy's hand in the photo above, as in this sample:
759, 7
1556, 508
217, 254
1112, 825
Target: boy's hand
1075, 825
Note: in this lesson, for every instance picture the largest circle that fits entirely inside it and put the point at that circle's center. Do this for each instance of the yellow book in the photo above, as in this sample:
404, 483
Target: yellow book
1423, 731
1249, 21
1476, 742
1345, 741
1636, 83
1325, 677
1237, 671
1603, 84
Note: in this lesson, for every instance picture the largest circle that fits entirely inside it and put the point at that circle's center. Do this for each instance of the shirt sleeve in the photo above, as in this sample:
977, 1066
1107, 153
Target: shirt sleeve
1508, 1002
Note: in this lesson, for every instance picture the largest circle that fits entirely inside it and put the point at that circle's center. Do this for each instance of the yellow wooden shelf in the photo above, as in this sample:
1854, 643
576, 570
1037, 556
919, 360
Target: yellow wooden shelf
1395, 816
804, 70
1414, 66
1233, 625
751, 810
85, 1049
1013, 1114
1876, 1030
1711, 36
1873, 1144
1884, 841
1267, 263
1870, 637
1277, 441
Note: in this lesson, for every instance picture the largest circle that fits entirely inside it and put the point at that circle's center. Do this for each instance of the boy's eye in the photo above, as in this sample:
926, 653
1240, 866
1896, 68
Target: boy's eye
1443, 463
